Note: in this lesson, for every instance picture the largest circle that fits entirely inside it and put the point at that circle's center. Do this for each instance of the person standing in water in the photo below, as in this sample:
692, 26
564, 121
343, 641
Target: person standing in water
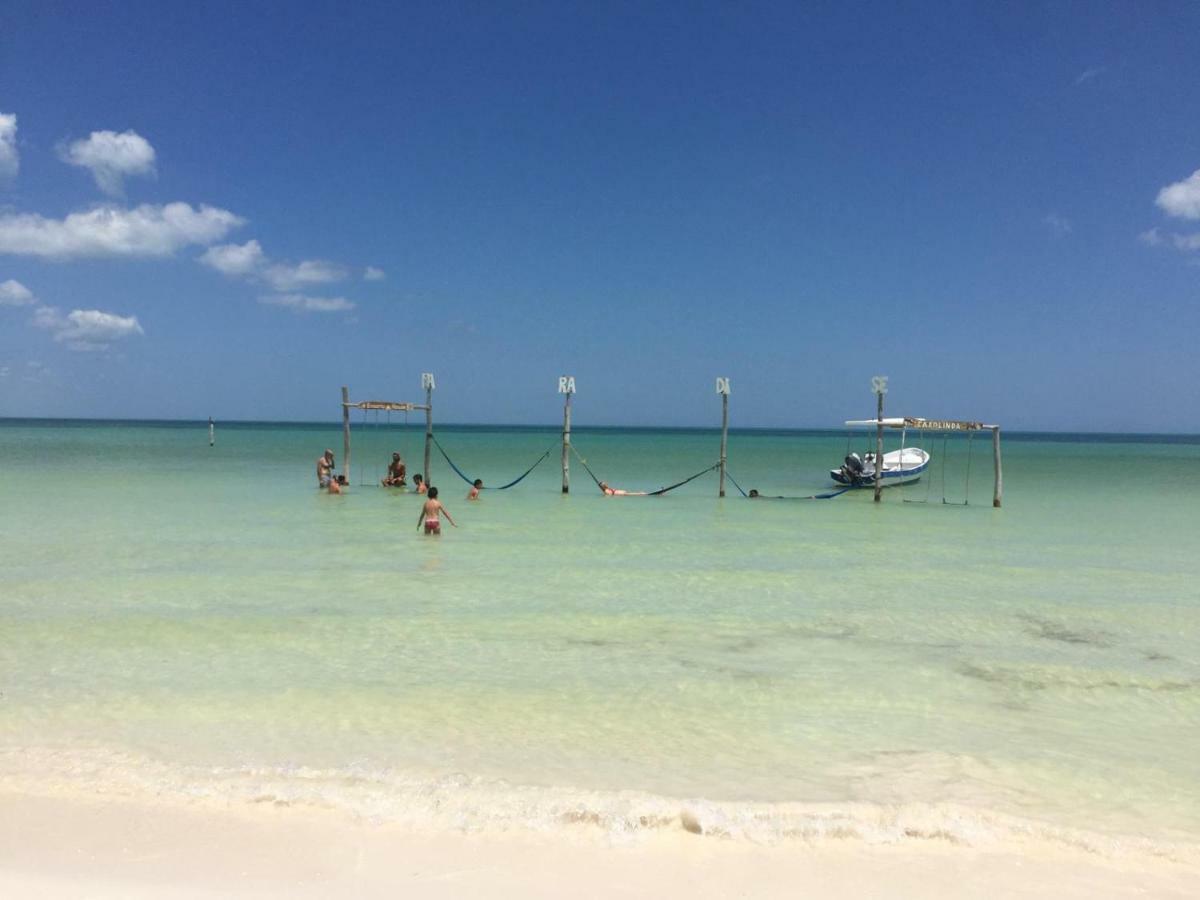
473, 494
324, 468
430, 512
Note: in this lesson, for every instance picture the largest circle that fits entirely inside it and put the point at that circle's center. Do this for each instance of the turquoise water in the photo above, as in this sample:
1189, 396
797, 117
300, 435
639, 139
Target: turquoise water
201, 621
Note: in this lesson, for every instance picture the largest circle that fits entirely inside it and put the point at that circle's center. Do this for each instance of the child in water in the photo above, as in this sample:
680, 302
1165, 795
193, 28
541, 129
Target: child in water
430, 510
419, 483
473, 494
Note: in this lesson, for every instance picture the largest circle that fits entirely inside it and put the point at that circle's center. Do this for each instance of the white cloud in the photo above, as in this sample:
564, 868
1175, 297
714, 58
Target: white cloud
248, 261
146, 230
287, 277
303, 303
13, 293
86, 329
1089, 74
111, 157
10, 159
1059, 226
1185, 242
374, 274
235, 259
1181, 199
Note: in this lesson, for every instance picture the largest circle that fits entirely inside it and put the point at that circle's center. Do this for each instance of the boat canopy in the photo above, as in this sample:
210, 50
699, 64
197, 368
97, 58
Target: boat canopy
927, 424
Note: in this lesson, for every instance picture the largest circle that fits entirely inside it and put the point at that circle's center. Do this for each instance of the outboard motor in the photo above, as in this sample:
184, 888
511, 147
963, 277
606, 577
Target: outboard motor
854, 465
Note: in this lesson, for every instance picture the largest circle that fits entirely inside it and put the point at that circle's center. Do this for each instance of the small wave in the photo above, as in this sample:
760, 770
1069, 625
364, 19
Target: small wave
465, 803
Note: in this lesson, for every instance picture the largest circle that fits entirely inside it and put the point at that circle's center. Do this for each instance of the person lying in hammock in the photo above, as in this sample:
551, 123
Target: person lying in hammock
617, 492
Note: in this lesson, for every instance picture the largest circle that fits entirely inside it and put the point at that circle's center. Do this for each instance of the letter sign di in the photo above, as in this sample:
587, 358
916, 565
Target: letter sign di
566, 384
722, 385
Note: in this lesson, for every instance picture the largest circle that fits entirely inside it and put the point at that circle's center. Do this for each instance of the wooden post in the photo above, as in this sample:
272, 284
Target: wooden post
879, 386
566, 385
345, 432
427, 383
998, 486
211, 436
723, 390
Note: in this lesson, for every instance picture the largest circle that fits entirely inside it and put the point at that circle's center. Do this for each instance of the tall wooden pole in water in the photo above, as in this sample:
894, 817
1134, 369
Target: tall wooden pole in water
566, 385
879, 385
723, 390
427, 383
998, 473
345, 432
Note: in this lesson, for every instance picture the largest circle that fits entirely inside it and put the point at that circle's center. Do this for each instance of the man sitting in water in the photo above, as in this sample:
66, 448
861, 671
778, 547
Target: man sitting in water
617, 492
324, 468
396, 472
430, 510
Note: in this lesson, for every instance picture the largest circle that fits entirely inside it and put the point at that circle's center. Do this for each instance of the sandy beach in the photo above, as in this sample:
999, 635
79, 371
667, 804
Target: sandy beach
55, 847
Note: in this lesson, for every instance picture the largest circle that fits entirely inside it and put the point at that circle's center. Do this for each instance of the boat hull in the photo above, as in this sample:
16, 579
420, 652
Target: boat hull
899, 467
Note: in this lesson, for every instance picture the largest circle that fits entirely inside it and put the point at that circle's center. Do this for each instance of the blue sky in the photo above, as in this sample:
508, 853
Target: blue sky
994, 205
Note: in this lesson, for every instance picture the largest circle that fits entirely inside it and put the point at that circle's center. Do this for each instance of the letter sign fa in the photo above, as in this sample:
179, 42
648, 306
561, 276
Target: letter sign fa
722, 385
427, 381
566, 384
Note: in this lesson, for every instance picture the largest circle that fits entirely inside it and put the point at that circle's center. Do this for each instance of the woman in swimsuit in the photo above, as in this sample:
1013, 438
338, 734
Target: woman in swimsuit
617, 492
430, 511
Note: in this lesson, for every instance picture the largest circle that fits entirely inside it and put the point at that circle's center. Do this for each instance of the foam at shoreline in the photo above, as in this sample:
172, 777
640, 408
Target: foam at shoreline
458, 802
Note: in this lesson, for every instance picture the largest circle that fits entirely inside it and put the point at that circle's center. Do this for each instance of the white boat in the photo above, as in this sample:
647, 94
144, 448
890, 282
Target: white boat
899, 466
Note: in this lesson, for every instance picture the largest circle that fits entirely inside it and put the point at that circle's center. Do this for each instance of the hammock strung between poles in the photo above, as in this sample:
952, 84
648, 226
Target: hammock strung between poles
469, 480
828, 496
657, 493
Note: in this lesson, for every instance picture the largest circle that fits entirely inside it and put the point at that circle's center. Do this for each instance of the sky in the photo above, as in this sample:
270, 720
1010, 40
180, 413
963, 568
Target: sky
232, 209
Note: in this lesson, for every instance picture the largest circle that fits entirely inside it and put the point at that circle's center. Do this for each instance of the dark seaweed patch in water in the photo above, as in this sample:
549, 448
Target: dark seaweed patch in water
1053, 631
743, 645
828, 630
590, 642
1155, 656
1079, 680
730, 671
998, 676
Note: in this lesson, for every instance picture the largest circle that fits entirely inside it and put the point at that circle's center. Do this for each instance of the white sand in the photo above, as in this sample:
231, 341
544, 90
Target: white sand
55, 847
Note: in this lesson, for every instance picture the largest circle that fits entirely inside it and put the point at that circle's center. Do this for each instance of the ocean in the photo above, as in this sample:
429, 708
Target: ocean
196, 623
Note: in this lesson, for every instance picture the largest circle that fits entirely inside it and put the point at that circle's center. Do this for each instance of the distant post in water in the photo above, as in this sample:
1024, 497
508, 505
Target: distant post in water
566, 385
428, 383
211, 436
998, 474
879, 387
346, 431
723, 390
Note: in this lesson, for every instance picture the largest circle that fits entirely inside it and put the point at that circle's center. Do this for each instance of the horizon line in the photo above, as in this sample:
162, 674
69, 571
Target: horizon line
551, 426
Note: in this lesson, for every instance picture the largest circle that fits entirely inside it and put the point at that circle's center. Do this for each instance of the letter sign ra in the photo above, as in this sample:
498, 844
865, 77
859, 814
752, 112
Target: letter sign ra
566, 384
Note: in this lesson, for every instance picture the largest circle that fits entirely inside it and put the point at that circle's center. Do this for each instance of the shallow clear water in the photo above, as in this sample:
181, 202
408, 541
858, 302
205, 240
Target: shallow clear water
204, 621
